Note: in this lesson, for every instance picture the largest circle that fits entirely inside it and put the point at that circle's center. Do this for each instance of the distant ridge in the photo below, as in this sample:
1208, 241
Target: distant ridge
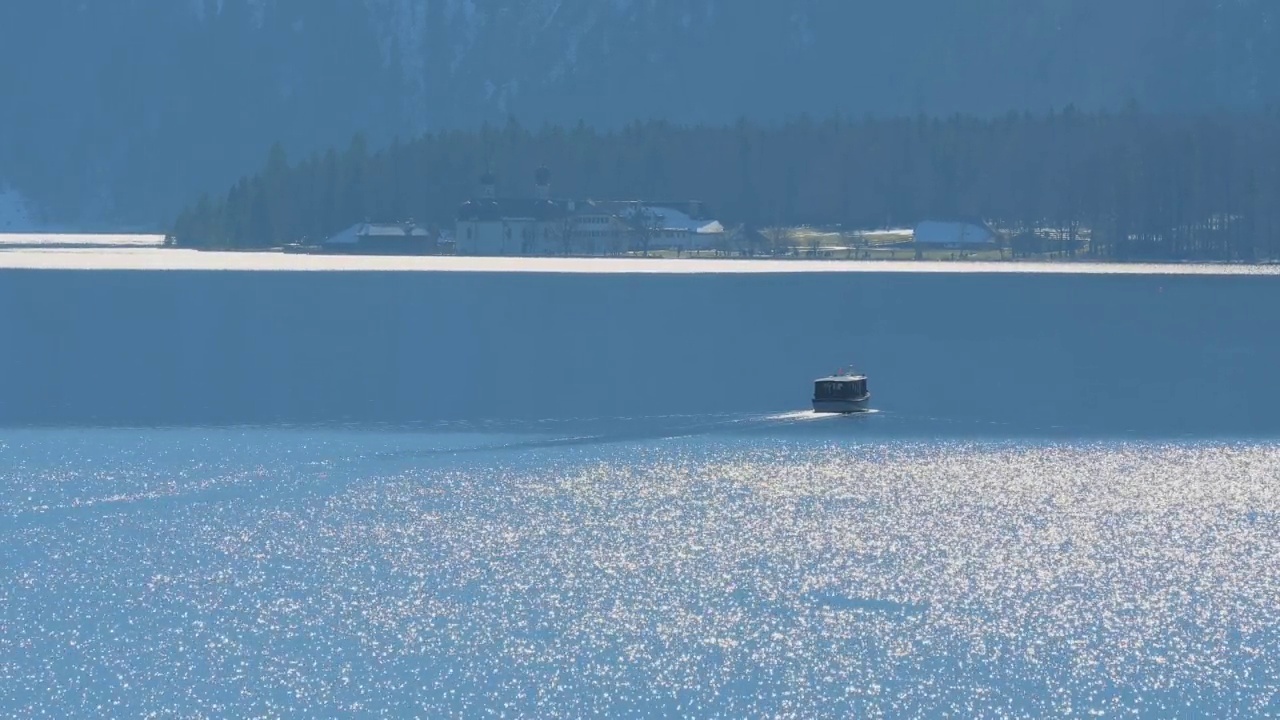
125, 112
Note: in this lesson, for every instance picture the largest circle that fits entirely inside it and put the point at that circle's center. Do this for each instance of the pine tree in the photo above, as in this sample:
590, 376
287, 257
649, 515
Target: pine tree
1133, 183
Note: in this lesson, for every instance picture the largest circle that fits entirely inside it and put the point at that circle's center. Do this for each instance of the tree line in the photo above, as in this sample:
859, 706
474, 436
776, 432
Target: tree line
1123, 185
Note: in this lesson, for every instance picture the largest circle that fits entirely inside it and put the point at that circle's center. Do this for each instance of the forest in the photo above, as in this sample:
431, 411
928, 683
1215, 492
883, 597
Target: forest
1123, 185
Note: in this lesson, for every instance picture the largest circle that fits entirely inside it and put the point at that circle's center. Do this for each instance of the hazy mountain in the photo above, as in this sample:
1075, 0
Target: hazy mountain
123, 110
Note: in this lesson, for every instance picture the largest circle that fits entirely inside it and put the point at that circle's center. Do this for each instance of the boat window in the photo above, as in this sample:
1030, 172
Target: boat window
837, 390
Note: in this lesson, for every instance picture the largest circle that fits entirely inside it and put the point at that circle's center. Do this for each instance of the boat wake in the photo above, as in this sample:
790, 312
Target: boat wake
796, 416
633, 429
330, 475
809, 415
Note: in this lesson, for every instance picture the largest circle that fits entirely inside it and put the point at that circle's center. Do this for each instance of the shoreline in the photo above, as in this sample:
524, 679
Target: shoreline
146, 258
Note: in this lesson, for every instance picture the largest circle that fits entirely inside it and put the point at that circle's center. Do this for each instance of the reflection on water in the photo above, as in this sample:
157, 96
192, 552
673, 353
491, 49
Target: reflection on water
715, 566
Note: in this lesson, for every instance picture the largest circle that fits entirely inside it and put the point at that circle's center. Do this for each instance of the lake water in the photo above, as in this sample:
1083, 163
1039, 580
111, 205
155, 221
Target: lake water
743, 565
232, 491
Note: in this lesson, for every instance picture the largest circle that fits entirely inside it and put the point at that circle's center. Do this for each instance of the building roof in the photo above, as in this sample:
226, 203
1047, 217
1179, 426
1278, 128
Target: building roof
841, 378
665, 217
616, 208
354, 233
500, 208
692, 208
672, 219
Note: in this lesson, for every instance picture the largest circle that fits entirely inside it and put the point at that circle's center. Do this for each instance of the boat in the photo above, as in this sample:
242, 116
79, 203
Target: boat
843, 392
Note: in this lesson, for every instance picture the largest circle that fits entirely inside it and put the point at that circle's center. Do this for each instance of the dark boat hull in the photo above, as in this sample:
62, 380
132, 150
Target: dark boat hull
842, 405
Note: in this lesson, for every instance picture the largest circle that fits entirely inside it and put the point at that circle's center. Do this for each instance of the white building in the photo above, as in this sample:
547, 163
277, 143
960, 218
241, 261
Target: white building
510, 227
539, 225
490, 225
601, 226
673, 229
618, 226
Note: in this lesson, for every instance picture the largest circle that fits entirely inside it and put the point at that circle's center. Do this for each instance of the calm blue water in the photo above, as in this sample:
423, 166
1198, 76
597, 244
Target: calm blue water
727, 566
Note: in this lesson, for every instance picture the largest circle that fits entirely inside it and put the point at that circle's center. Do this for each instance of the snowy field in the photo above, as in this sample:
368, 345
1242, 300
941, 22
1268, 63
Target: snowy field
46, 240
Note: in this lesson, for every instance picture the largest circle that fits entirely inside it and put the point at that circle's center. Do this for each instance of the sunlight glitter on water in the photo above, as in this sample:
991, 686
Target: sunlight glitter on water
710, 576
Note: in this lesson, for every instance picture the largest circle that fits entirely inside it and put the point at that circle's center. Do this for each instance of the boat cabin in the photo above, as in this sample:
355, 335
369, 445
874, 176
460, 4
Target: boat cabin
849, 387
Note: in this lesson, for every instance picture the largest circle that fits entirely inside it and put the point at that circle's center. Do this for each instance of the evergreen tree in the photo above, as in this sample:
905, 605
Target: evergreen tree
1127, 185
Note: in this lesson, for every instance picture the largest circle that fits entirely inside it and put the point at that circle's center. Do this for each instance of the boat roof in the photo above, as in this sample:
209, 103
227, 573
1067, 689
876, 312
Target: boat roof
841, 378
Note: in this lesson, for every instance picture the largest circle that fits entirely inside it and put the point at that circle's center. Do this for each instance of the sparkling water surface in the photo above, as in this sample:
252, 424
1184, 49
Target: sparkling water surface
757, 566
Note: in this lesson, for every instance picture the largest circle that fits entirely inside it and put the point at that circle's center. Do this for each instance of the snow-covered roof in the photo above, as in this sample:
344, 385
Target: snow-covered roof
665, 218
672, 219
353, 234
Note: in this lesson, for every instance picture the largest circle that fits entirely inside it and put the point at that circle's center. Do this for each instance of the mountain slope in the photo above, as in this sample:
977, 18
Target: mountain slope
122, 111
